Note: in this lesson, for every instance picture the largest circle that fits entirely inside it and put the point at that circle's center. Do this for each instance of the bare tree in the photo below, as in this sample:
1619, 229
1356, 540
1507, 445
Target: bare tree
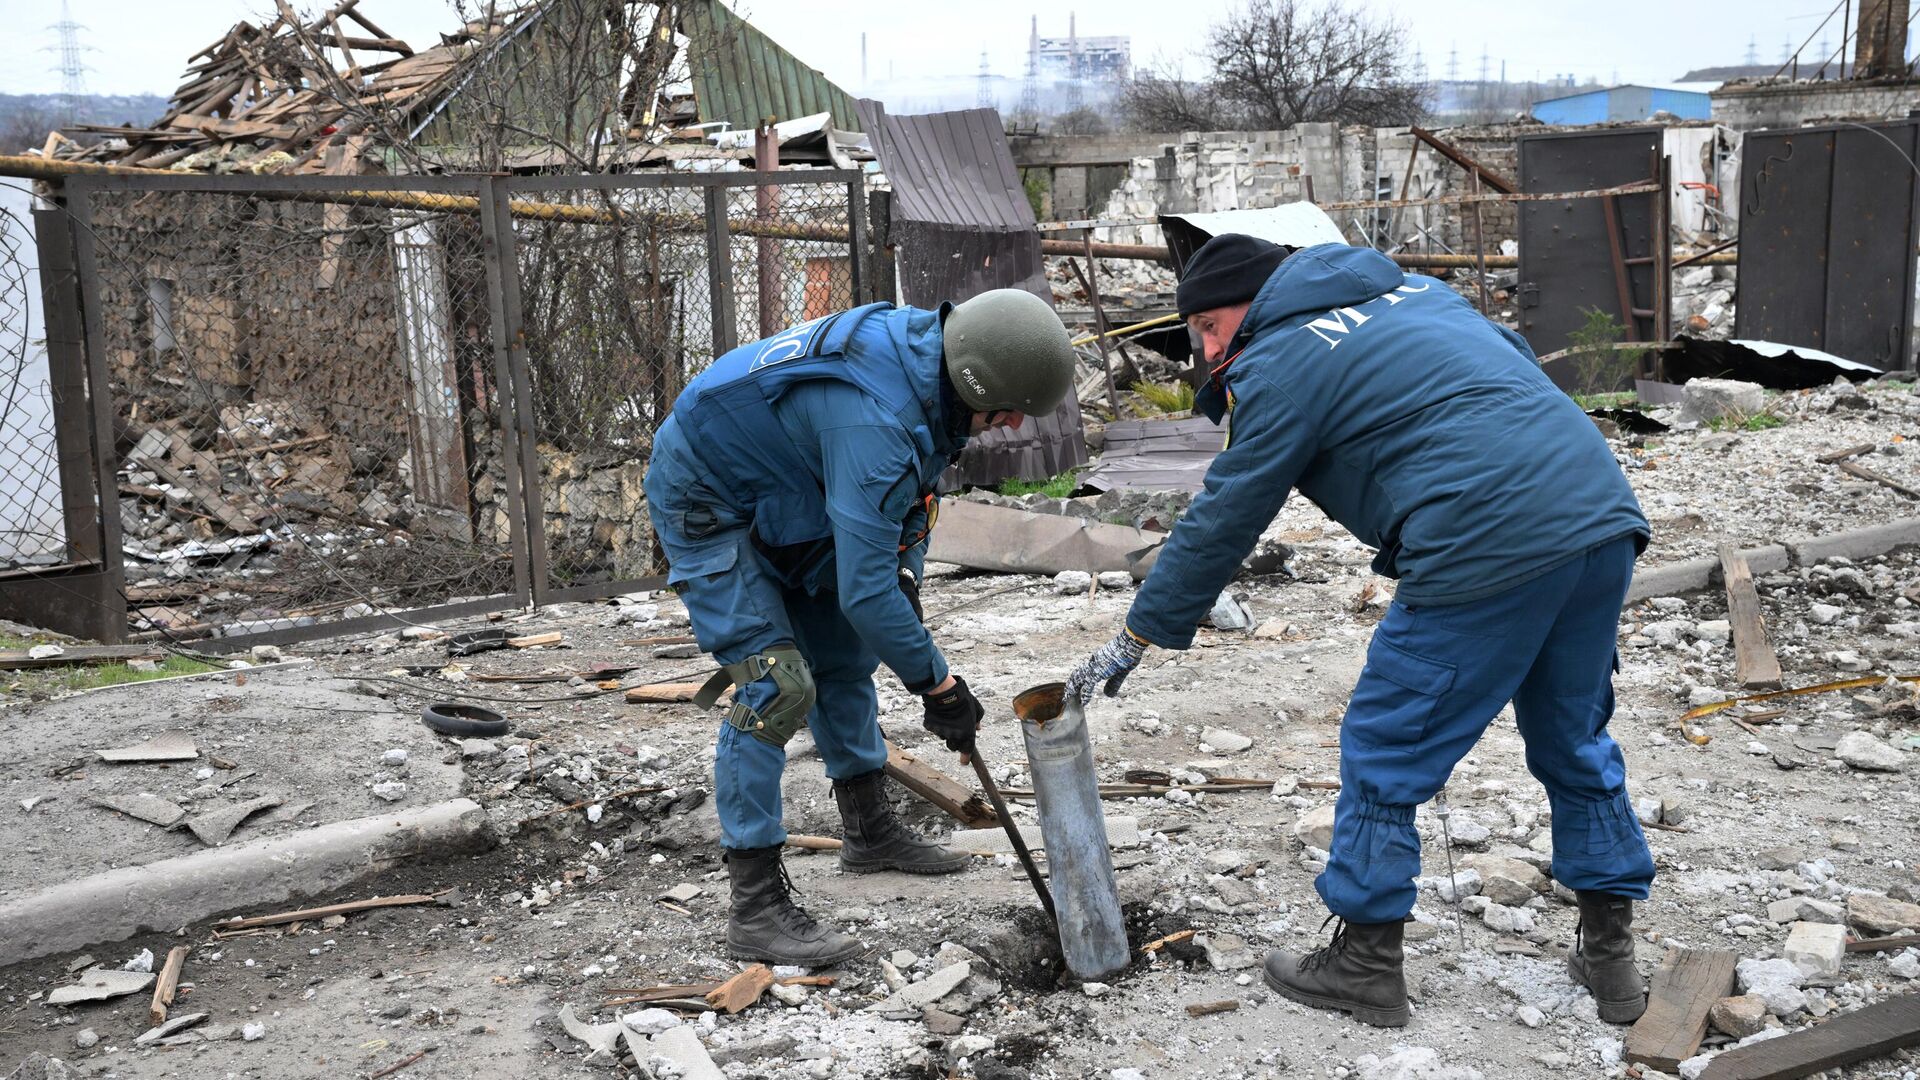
1161, 99
26, 128
1277, 63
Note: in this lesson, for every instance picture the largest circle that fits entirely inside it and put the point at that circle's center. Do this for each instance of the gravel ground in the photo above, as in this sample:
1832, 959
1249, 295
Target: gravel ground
567, 912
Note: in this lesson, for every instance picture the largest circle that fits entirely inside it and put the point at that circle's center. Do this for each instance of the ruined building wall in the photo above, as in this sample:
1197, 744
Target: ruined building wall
1232, 170
1750, 106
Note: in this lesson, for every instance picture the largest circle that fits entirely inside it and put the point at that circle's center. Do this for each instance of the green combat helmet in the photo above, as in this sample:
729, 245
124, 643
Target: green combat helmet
1006, 349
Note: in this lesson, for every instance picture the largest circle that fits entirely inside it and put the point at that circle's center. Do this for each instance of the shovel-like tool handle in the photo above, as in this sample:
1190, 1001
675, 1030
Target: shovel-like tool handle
1013, 834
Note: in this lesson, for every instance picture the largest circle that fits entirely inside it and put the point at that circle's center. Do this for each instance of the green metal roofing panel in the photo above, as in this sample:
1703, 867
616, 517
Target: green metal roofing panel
742, 76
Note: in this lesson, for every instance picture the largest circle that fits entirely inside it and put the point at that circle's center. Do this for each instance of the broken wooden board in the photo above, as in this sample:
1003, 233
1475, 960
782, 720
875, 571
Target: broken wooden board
1860, 1035
1884, 944
347, 908
19, 660
534, 641
742, 990
1755, 664
149, 808
965, 805
166, 746
215, 826
1887, 482
662, 693
1686, 986
168, 985
209, 498
1835, 457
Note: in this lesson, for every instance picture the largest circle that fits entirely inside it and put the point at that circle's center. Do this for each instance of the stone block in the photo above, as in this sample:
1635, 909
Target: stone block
1718, 399
1738, 1016
1816, 948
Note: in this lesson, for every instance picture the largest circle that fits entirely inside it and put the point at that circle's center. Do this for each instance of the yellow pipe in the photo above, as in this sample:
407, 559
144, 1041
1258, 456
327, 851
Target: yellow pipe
1161, 321
39, 168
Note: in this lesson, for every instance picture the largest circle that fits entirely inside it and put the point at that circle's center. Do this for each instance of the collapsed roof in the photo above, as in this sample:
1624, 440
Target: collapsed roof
589, 85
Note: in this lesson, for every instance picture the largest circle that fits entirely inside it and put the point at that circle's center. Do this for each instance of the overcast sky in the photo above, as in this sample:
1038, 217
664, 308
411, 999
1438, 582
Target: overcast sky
136, 46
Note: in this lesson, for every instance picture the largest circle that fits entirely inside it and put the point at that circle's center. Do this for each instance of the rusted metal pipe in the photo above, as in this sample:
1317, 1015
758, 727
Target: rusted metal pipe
1093, 933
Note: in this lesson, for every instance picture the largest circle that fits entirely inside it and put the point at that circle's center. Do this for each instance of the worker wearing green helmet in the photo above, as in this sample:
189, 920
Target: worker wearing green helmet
792, 490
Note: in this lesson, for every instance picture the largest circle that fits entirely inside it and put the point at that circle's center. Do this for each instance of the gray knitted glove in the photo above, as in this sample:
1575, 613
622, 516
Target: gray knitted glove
1110, 665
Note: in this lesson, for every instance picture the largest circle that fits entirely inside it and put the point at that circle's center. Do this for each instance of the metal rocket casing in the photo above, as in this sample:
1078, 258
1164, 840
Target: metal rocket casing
1093, 934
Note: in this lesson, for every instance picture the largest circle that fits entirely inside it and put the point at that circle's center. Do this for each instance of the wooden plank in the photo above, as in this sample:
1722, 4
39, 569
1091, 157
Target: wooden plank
1754, 661
531, 641
229, 515
1860, 1035
742, 990
662, 693
1837, 456
965, 805
1884, 944
1688, 984
245, 129
322, 912
1888, 482
169, 982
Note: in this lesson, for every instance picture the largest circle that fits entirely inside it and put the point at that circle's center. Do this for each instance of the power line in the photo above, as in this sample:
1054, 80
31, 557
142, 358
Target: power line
73, 82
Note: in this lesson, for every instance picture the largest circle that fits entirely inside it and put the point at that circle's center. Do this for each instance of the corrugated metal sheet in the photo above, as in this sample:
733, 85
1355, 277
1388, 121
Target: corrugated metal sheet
961, 221
1157, 455
961, 225
742, 76
953, 168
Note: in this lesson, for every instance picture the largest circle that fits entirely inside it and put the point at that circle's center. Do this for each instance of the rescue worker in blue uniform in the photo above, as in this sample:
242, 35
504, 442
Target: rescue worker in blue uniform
1432, 435
792, 490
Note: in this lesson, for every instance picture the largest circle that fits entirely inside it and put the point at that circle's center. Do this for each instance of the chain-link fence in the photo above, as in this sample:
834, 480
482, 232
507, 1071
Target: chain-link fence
332, 409
619, 314
32, 532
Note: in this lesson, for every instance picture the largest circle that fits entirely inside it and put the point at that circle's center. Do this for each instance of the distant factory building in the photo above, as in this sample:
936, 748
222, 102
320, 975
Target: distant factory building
1622, 103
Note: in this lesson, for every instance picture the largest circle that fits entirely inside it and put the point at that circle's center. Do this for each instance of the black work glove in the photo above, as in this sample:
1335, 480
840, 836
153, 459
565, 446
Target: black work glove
912, 588
954, 714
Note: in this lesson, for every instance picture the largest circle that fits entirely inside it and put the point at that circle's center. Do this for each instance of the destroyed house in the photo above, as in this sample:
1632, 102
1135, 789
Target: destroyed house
340, 354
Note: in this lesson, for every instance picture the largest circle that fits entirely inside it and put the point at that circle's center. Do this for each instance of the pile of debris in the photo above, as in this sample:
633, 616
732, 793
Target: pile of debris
233, 525
1703, 301
263, 94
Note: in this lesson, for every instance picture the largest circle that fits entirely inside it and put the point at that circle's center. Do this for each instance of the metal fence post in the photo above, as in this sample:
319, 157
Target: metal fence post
880, 211
857, 240
720, 273
500, 268
113, 622
497, 195
67, 379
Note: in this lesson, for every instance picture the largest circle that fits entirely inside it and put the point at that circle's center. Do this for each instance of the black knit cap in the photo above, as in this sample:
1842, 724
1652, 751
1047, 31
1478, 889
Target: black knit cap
1228, 269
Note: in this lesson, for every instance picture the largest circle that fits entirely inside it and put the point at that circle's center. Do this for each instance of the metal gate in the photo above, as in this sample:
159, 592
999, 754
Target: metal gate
1827, 239
1590, 253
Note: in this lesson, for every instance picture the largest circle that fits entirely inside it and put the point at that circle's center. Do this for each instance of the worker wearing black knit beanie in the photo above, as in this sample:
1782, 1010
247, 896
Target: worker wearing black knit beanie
1227, 270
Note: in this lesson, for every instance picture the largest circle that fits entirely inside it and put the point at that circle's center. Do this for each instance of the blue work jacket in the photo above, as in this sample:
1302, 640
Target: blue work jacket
828, 439
1427, 430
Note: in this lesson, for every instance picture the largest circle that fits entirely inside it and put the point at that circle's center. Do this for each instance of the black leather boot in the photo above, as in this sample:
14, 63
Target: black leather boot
1602, 957
876, 840
1361, 971
765, 924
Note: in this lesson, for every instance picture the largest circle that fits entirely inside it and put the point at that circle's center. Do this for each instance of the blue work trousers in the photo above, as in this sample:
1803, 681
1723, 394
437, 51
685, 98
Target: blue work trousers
1436, 676
741, 607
